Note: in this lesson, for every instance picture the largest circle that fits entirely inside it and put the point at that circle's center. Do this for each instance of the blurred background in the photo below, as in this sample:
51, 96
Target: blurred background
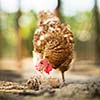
18, 21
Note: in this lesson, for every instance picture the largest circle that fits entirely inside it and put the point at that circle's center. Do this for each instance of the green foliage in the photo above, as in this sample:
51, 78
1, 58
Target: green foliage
27, 24
80, 23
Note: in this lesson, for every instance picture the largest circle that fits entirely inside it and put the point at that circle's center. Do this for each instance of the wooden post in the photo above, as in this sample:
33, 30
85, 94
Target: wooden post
0, 34
57, 10
97, 27
18, 37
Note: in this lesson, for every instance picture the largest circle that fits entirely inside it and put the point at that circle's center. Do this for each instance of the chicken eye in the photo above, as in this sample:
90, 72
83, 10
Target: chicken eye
41, 62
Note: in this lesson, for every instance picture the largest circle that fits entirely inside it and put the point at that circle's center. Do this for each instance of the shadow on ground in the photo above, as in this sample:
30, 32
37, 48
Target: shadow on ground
9, 75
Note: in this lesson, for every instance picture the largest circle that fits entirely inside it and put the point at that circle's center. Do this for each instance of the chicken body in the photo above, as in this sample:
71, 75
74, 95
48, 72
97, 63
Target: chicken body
53, 40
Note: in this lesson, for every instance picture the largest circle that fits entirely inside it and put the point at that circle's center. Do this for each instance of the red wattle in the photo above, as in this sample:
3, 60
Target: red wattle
48, 69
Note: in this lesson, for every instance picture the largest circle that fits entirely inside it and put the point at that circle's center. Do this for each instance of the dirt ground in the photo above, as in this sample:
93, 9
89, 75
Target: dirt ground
82, 83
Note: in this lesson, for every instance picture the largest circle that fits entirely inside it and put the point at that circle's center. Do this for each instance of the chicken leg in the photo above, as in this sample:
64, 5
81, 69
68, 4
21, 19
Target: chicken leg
63, 78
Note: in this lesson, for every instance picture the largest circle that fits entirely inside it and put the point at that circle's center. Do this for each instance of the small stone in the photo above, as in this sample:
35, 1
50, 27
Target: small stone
55, 83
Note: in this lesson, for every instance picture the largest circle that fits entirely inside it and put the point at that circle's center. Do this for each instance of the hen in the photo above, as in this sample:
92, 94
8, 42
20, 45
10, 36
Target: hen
53, 44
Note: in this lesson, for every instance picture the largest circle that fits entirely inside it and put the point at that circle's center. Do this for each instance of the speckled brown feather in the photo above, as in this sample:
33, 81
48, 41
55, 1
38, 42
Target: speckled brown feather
54, 40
